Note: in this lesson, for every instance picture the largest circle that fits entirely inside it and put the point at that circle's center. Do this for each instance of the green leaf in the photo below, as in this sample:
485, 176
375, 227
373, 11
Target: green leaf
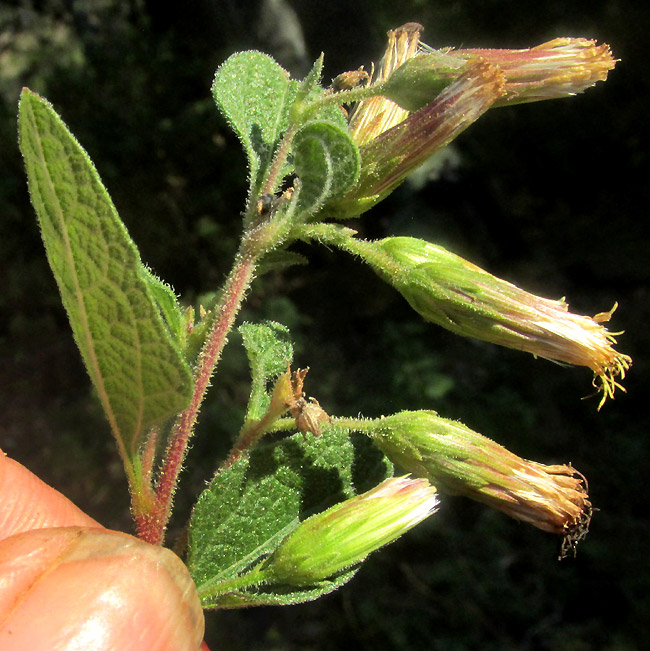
136, 367
170, 309
251, 90
308, 98
278, 260
327, 162
310, 83
269, 349
249, 508
257, 98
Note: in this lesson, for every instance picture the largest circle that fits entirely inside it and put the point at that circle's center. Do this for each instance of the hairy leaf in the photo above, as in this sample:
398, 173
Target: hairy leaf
251, 90
168, 305
327, 162
269, 349
258, 99
310, 83
135, 365
282, 259
249, 508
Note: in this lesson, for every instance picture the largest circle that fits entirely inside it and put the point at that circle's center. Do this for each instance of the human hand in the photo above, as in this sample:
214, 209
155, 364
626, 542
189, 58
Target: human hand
68, 583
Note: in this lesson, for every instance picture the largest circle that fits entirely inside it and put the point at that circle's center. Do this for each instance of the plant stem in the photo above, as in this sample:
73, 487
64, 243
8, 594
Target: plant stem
279, 160
344, 97
283, 425
151, 525
254, 577
362, 425
250, 434
343, 238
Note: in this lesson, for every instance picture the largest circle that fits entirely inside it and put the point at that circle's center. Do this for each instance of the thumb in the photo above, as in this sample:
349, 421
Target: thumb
29, 503
84, 586
76, 588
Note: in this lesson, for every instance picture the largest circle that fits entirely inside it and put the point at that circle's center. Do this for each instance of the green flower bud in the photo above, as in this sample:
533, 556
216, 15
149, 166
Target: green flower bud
423, 77
460, 461
343, 535
459, 296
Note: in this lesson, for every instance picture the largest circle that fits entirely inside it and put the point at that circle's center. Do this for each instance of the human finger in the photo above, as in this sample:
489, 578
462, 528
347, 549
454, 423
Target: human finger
76, 588
29, 503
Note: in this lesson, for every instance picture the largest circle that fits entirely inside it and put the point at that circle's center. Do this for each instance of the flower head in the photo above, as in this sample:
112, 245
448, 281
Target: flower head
461, 461
559, 68
344, 534
426, 97
373, 116
461, 297
392, 154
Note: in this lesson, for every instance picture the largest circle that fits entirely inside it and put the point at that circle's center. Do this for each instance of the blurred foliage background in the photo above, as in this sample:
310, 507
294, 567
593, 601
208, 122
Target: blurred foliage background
552, 196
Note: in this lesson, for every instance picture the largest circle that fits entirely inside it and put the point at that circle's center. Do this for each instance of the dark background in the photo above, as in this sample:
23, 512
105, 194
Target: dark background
552, 196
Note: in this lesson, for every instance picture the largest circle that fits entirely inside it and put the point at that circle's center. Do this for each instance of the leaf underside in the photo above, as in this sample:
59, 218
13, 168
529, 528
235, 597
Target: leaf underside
136, 367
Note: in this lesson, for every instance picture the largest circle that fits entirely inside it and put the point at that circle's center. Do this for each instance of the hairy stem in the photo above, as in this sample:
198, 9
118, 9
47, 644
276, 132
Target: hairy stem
343, 238
343, 97
362, 425
151, 525
251, 433
213, 589
279, 160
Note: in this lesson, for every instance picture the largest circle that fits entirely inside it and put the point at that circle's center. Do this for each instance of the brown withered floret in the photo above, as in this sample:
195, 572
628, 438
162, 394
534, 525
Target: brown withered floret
349, 80
308, 414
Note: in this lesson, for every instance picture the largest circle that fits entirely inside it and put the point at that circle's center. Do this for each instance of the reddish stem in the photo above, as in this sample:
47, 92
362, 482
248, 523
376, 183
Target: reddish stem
244, 443
151, 525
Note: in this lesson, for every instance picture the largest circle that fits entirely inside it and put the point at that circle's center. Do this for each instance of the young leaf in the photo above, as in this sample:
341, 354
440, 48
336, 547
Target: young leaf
327, 162
251, 91
269, 349
282, 259
168, 305
137, 369
310, 91
251, 507
310, 83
